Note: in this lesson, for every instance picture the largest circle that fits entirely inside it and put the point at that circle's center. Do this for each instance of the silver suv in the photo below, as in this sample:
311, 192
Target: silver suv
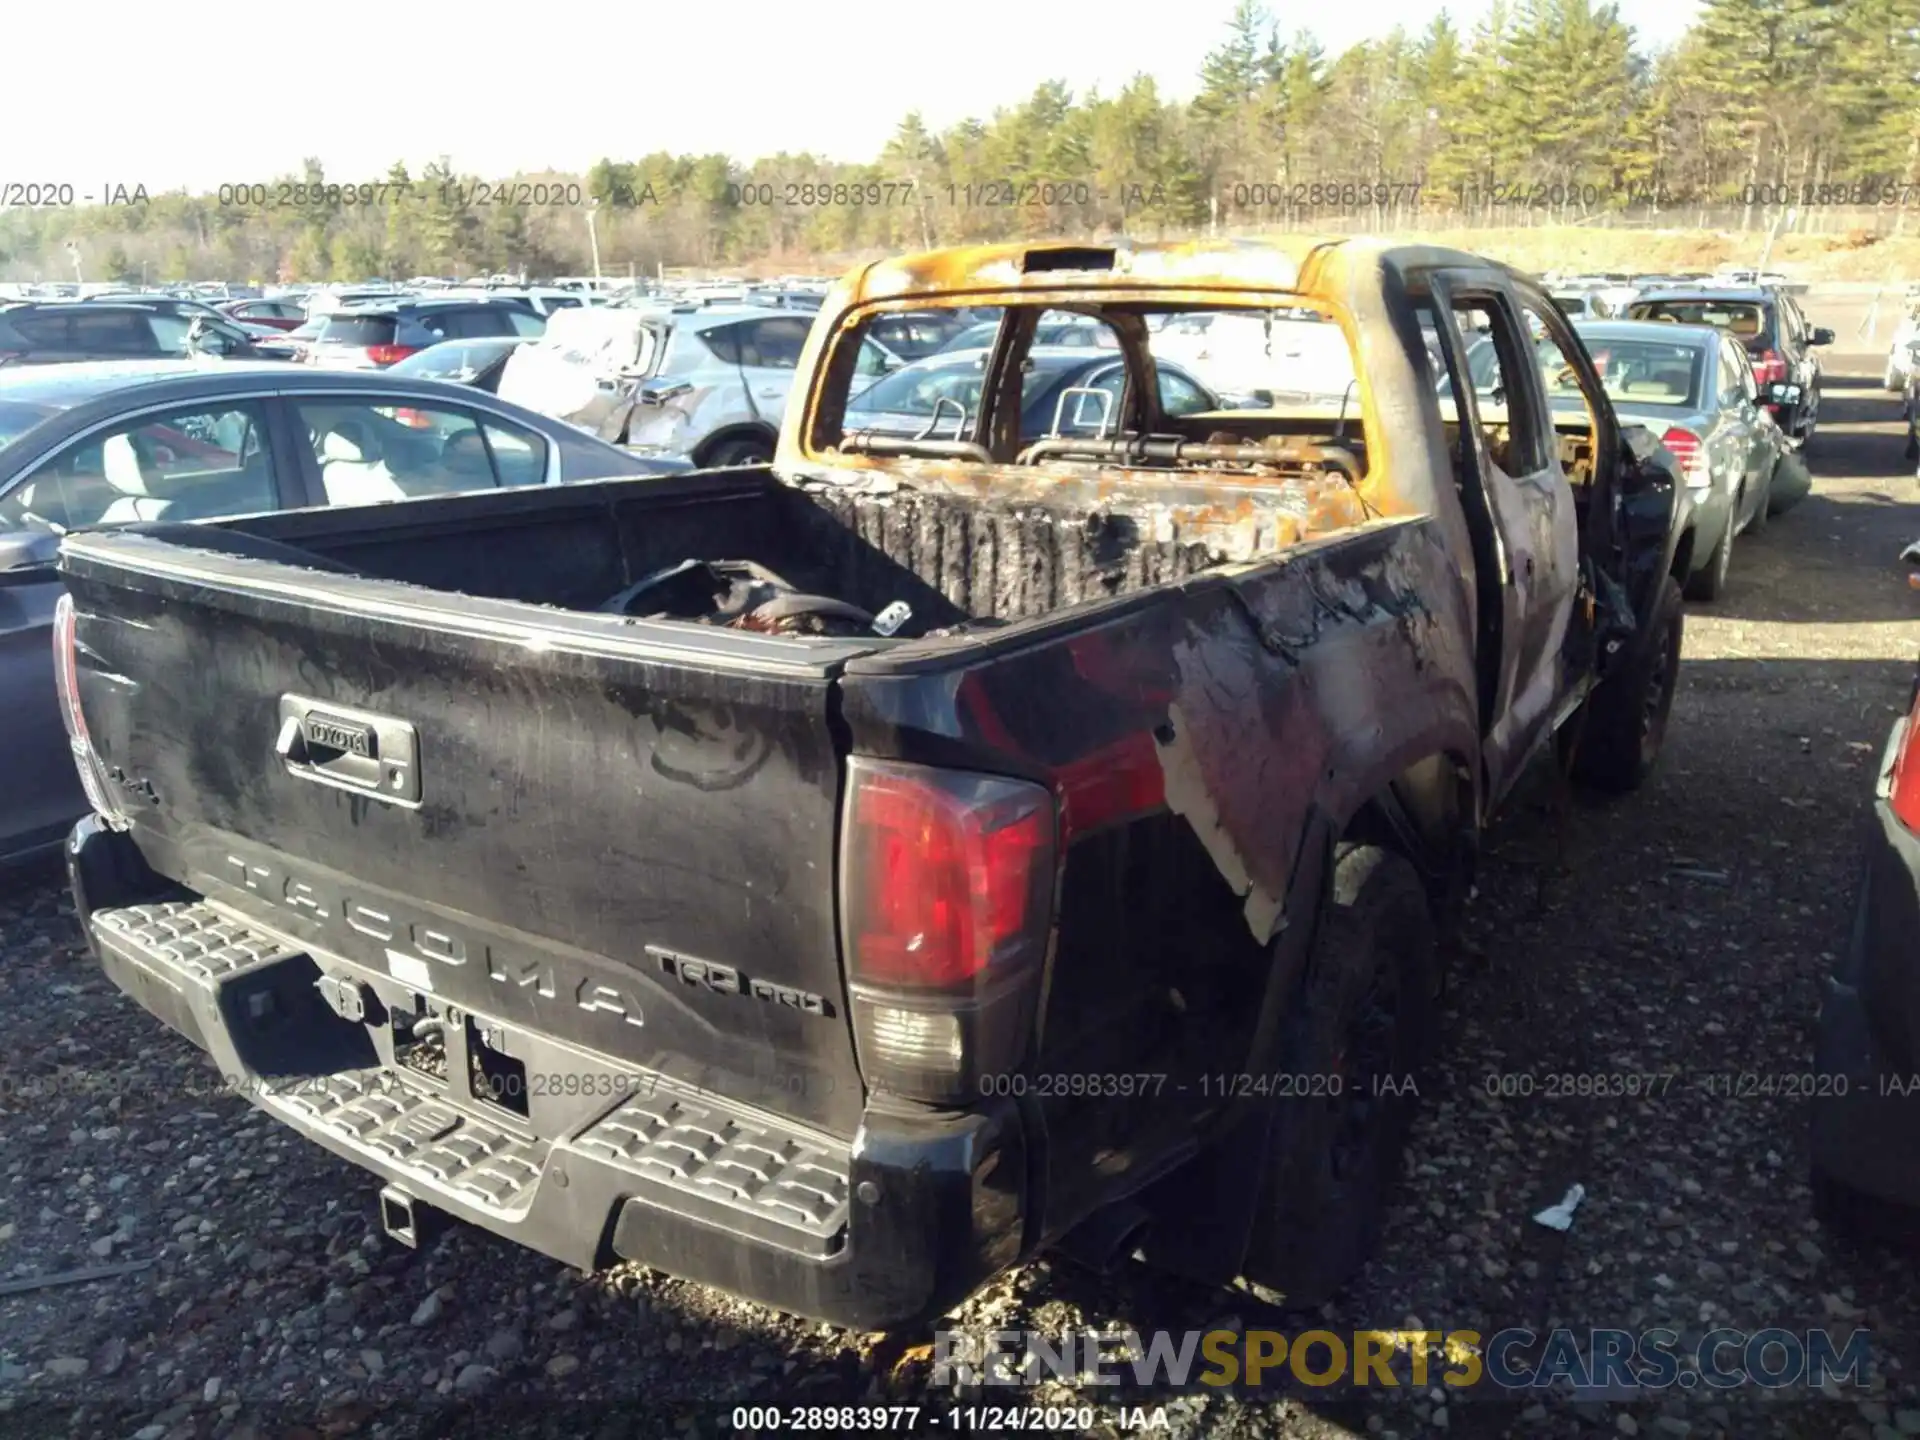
709, 382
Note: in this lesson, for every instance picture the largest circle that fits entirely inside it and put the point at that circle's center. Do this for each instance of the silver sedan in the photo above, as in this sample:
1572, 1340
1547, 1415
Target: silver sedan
1692, 386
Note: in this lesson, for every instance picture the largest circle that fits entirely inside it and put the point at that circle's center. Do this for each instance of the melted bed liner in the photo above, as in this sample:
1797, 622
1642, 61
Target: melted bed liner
952, 559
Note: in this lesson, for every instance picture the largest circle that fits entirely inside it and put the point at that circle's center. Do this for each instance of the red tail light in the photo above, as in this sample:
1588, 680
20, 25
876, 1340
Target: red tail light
1685, 446
66, 677
412, 418
389, 354
947, 875
1769, 368
947, 903
1903, 782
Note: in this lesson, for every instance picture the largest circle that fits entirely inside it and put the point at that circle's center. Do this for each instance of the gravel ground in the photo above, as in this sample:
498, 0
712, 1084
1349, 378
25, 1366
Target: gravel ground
1680, 932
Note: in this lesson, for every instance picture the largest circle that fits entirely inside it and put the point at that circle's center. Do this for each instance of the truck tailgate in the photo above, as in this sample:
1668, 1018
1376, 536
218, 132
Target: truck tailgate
591, 829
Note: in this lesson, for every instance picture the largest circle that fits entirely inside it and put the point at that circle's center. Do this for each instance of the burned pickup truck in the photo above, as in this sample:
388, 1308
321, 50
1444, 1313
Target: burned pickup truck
1016, 817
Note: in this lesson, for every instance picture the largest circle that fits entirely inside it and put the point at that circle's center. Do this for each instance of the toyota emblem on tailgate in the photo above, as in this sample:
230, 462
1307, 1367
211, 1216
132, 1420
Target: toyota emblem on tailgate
343, 735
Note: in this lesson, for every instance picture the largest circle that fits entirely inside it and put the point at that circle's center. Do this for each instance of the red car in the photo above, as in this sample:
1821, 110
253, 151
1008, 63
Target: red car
1866, 1167
274, 314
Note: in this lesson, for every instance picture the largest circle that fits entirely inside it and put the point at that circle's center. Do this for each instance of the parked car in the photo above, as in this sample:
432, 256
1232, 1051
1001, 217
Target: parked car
274, 314
806, 814
1692, 386
374, 336
215, 323
1066, 390
1770, 324
89, 445
64, 331
478, 363
1866, 1166
1901, 363
1911, 400
709, 382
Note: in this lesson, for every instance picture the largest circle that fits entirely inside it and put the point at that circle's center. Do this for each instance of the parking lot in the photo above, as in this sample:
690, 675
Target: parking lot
1690, 945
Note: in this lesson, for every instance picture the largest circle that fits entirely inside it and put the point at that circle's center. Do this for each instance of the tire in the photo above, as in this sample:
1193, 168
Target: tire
1367, 1009
1615, 741
750, 451
1709, 582
1798, 483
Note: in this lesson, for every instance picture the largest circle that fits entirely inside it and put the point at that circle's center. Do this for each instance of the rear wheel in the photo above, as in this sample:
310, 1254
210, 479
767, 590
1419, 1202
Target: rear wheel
1709, 582
1617, 741
1361, 1028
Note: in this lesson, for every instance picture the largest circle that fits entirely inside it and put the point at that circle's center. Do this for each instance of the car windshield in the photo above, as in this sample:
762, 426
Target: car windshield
1635, 372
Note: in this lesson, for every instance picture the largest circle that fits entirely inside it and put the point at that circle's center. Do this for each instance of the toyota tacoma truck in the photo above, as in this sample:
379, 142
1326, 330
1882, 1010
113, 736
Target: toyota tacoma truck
1010, 819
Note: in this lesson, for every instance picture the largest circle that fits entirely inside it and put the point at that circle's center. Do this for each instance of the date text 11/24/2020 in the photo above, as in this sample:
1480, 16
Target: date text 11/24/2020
1231, 1085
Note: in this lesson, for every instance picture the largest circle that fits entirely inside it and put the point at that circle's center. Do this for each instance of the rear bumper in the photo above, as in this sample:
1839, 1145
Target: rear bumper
1866, 1109
892, 1228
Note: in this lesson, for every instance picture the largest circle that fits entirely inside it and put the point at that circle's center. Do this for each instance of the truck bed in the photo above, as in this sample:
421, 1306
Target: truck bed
953, 554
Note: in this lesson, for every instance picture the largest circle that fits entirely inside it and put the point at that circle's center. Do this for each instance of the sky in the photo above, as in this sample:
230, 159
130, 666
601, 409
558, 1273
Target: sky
360, 84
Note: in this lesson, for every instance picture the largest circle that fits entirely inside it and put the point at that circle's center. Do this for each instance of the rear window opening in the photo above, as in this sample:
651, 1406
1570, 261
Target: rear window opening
1263, 390
1747, 321
1642, 371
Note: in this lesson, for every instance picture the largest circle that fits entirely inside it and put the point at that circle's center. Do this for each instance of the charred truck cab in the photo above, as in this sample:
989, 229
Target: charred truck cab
1025, 811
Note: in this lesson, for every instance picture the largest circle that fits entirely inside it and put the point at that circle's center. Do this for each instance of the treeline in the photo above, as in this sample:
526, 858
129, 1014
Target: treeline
1546, 109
